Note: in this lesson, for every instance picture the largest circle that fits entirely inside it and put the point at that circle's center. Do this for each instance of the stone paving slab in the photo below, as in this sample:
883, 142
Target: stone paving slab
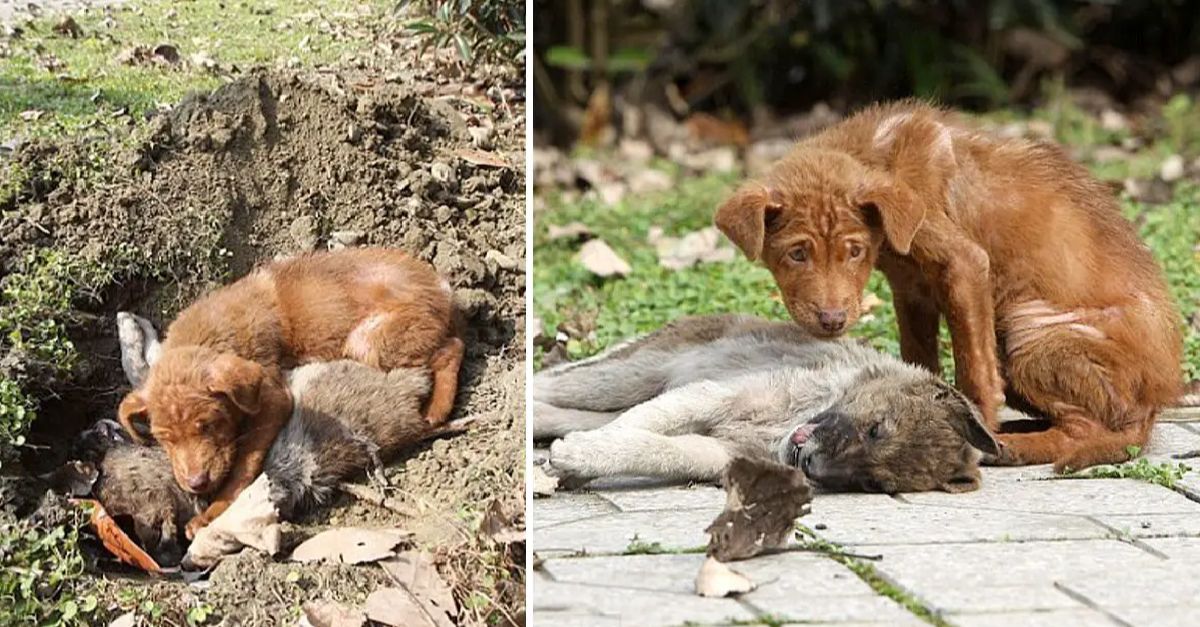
1167, 584
877, 519
1053, 618
568, 507
613, 533
1176, 616
1152, 525
1066, 496
1026, 549
706, 497
791, 587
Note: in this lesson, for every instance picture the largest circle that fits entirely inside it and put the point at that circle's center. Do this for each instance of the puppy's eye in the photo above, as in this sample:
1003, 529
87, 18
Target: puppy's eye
799, 254
875, 431
856, 251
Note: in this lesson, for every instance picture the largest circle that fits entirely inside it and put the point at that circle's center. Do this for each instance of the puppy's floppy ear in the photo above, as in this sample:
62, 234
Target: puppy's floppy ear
135, 416
240, 380
743, 218
967, 421
896, 207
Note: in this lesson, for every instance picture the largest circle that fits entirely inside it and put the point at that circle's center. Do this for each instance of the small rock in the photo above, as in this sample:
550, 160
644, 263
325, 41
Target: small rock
1171, 169
304, 233
636, 151
1041, 128
1153, 191
650, 180
600, 259
343, 239
503, 261
481, 137
442, 172
1113, 121
1108, 154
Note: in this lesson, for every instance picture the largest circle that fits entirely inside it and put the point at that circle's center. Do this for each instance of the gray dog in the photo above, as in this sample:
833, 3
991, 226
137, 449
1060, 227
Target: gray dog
684, 401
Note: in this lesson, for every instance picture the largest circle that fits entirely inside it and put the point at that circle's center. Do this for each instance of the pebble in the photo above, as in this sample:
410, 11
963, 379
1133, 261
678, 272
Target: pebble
1171, 169
442, 172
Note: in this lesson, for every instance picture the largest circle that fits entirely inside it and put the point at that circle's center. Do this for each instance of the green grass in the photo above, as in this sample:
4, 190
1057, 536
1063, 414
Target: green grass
1165, 474
52, 72
40, 568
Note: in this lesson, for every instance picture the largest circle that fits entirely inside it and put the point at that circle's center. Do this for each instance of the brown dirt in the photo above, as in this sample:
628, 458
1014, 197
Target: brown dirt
281, 163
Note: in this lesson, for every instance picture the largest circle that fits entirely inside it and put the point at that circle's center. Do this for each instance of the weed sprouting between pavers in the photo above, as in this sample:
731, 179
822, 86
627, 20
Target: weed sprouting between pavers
637, 546
865, 571
1165, 474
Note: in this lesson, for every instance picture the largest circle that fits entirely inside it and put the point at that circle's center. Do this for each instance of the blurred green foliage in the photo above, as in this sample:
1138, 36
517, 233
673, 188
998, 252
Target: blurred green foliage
745, 53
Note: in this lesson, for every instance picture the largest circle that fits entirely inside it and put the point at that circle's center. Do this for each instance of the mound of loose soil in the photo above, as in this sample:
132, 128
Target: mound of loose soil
282, 163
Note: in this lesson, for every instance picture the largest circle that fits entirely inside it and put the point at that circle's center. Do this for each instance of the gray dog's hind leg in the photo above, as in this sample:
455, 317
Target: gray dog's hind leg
554, 422
140, 347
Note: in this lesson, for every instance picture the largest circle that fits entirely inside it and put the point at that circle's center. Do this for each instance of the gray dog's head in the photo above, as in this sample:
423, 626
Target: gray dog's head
894, 432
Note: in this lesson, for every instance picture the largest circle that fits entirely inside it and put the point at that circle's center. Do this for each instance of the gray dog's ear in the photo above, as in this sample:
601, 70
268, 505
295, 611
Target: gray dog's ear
743, 218
968, 422
895, 206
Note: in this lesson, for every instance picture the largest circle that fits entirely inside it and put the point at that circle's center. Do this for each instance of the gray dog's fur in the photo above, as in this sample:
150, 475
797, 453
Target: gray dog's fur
682, 402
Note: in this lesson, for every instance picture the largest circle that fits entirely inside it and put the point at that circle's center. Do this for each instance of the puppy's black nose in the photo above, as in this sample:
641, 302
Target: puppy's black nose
832, 320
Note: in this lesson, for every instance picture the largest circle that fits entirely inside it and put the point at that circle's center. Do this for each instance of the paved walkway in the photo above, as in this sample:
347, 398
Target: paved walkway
1026, 549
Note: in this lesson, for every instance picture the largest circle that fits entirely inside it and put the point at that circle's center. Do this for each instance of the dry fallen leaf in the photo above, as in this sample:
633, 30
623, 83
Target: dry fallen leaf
543, 484
398, 608
30, 115
763, 501
703, 246
349, 545
497, 525
718, 580
480, 157
416, 572
117, 541
600, 259
330, 614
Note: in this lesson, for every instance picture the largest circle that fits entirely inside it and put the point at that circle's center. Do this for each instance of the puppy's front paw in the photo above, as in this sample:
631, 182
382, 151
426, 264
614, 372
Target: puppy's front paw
198, 522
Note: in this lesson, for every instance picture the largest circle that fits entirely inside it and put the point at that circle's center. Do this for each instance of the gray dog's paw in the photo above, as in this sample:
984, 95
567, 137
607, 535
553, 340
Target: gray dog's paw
569, 461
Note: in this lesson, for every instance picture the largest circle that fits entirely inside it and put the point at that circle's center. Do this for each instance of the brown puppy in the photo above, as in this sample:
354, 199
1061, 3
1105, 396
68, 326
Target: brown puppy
216, 398
1024, 253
